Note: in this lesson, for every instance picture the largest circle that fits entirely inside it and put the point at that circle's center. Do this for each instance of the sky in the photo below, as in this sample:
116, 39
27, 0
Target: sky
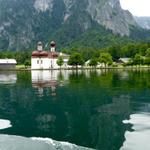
137, 7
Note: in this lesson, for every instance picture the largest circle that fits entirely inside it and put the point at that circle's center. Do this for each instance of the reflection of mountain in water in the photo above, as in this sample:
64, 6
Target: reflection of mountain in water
138, 138
108, 130
87, 110
139, 120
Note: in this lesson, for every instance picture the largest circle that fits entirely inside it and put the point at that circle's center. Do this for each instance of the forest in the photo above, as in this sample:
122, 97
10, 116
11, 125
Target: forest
138, 52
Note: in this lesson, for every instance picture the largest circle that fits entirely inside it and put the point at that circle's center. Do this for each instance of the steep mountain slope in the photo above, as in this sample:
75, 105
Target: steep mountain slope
24, 22
144, 22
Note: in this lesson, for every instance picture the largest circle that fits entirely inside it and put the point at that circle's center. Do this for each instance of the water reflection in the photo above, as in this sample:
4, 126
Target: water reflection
124, 75
110, 136
83, 107
8, 77
137, 139
140, 125
94, 85
45, 79
49, 79
54, 78
4, 124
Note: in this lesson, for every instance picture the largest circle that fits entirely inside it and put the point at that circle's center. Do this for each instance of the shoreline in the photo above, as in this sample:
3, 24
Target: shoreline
82, 68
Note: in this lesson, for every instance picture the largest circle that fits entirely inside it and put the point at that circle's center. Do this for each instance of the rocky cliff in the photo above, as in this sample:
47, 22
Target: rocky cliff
110, 14
144, 22
24, 22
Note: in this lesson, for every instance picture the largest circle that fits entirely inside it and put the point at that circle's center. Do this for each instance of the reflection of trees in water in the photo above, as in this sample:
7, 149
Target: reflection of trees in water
31, 116
45, 122
75, 120
82, 111
106, 126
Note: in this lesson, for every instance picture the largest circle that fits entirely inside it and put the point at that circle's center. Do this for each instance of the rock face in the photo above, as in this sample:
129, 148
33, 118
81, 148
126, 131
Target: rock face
110, 14
24, 22
144, 22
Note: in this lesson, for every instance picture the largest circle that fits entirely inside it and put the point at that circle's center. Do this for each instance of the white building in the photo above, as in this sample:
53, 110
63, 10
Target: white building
47, 59
7, 64
99, 65
124, 60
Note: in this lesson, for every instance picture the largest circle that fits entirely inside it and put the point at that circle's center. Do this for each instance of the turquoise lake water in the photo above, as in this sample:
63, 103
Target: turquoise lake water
100, 109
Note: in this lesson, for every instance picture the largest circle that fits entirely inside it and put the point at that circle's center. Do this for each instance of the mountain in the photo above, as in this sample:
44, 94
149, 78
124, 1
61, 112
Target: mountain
144, 22
24, 22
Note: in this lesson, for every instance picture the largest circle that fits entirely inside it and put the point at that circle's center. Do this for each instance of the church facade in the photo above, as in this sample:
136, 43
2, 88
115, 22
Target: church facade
42, 59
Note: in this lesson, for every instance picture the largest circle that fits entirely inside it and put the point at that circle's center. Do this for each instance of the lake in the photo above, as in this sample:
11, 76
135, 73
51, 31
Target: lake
100, 109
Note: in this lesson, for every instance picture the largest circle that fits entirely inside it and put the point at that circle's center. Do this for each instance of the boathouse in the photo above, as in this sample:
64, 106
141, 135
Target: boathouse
7, 64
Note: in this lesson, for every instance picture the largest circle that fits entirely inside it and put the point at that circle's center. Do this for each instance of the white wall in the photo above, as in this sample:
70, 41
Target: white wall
37, 63
44, 63
53, 64
44, 75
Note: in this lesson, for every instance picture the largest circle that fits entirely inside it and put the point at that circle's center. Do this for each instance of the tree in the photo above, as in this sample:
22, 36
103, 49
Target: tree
147, 61
27, 63
93, 62
60, 61
147, 57
148, 52
105, 58
129, 50
115, 52
76, 59
138, 59
142, 47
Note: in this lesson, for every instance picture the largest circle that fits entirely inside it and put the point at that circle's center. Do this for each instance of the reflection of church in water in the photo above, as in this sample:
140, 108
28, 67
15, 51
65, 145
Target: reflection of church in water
48, 79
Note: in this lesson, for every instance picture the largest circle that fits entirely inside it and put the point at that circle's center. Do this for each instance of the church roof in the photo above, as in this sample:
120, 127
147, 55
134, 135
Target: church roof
39, 53
45, 54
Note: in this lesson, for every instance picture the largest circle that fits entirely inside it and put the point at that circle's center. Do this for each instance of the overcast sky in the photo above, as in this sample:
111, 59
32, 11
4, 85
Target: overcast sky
137, 7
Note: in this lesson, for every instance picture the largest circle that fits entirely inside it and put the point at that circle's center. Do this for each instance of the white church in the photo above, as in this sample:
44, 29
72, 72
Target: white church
47, 59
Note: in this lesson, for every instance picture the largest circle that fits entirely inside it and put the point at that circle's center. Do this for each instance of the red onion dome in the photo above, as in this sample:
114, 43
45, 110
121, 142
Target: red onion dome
39, 43
53, 44
40, 53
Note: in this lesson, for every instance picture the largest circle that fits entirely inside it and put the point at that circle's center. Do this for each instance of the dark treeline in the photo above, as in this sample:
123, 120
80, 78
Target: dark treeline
130, 50
22, 57
116, 51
